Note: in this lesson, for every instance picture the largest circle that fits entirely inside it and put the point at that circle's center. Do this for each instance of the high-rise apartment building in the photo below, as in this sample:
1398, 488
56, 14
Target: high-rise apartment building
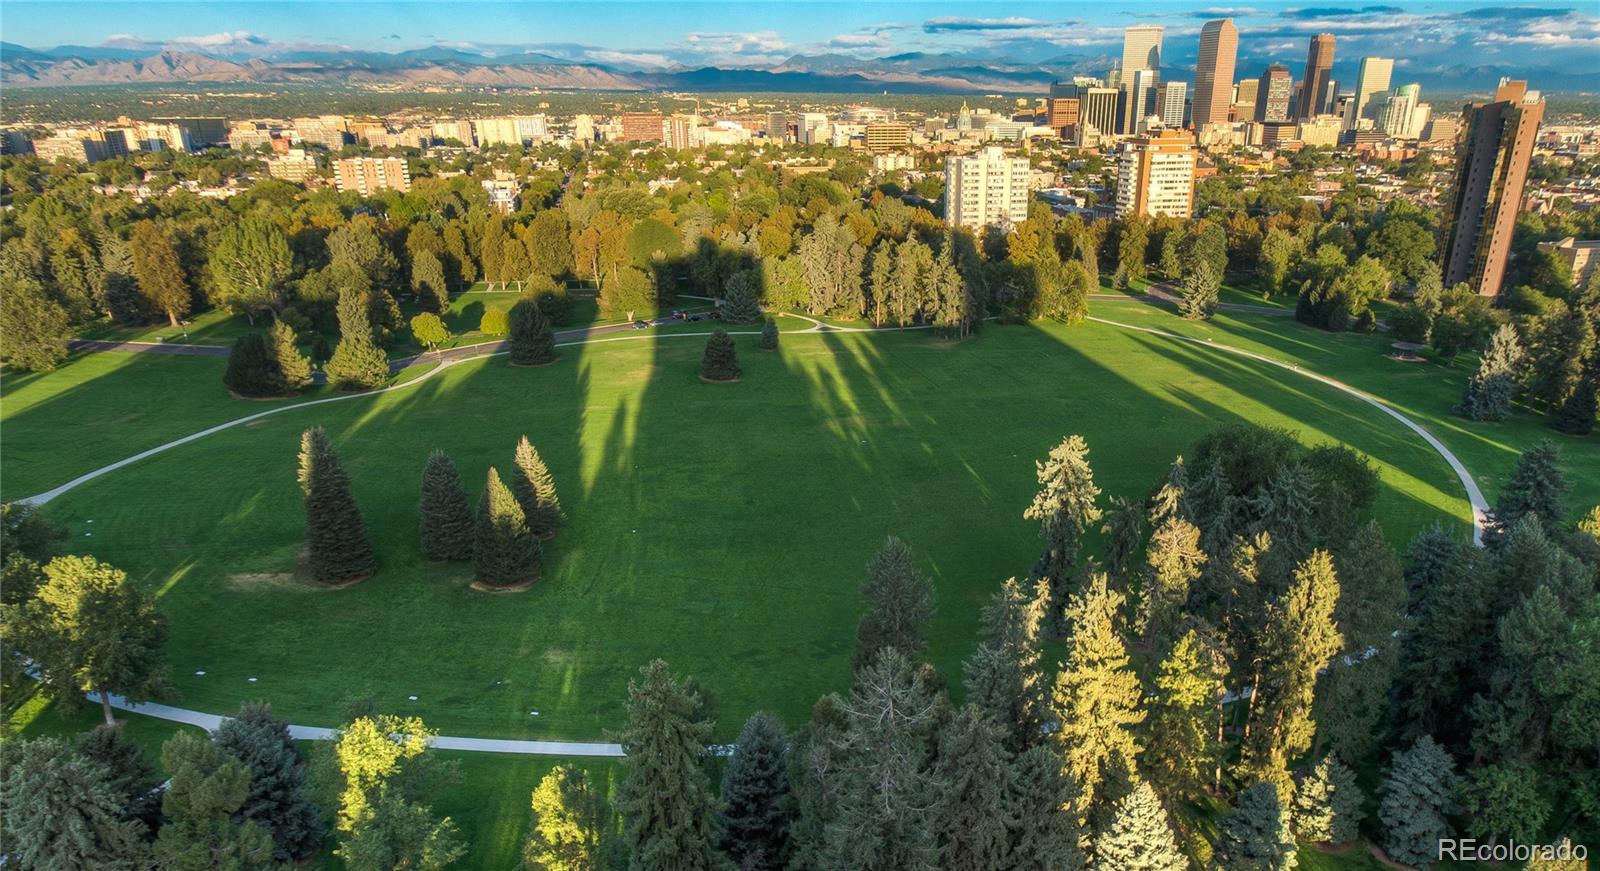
1372, 80
884, 136
201, 132
1141, 50
296, 166
1155, 175
1140, 92
327, 131
1399, 109
1491, 169
1274, 93
1319, 69
368, 175
1170, 101
642, 126
986, 189
496, 131
1213, 73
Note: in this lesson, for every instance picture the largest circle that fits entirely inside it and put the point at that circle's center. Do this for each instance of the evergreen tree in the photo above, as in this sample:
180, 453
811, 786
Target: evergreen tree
1200, 292
571, 824
1417, 794
757, 807
884, 820
535, 489
89, 630
61, 810
741, 303
253, 368
1576, 415
769, 335
1372, 603
1097, 695
720, 362
1255, 835
279, 798
1003, 677
336, 537
1131, 245
816, 764
899, 605
1045, 832
357, 362
1184, 748
1123, 529
1327, 803
665, 802
1489, 393
428, 280
1065, 508
201, 803
1301, 638
974, 772
1537, 487
129, 774
293, 367
1139, 837
447, 522
1175, 561
505, 552
532, 342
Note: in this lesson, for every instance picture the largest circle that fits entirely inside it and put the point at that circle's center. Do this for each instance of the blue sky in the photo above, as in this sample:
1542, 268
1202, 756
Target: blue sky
657, 34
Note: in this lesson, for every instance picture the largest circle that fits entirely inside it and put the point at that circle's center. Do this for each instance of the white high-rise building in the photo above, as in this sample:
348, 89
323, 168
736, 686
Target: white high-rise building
1170, 100
986, 189
1372, 80
1155, 175
1141, 50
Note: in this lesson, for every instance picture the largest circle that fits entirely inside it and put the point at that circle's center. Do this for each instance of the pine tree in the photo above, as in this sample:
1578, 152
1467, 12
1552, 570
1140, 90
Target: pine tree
129, 774
1175, 562
279, 798
720, 362
1065, 508
1139, 837
1350, 702
446, 518
201, 803
1536, 487
1576, 415
293, 366
1255, 835
532, 342
535, 489
816, 764
741, 293
757, 807
505, 552
1417, 794
899, 605
974, 772
1045, 832
1327, 803
61, 810
769, 335
571, 824
1301, 638
357, 362
1489, 393
1123, 529
252, 370
1003, 676
336, 537
665, 801
1200, 292
1097, 695
883, 820
1183, 748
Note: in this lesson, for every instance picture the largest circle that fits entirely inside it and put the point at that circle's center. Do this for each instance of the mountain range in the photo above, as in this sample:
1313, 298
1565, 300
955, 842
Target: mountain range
914, 72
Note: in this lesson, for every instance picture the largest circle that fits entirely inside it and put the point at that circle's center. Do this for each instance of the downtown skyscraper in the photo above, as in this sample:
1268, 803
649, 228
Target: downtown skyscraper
1213, 74
1373, 79
1141, 51
1314, 88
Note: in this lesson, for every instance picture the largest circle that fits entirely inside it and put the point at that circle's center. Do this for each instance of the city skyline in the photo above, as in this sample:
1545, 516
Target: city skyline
1423, 38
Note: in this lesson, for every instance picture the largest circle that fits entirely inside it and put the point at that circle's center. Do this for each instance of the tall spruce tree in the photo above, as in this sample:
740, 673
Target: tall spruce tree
505, 552
1255, 835
1045, 834
1537, 487
1576, 415
1065, 508
206, 790
1097, 698
535, 489
1003, 677
1200, 291
129, 774
721, 359
532, 343
357, 362
1175, 561
252, 368
1183, 747
974, 772
279, 798
444, 513
899, 605
757, 805
1139, 837
664, 799
336, 537
1372, 602
1124, 527
1328, 803
1418, 792
769, 335
293, 366
62, 811
1489, 393
816, 764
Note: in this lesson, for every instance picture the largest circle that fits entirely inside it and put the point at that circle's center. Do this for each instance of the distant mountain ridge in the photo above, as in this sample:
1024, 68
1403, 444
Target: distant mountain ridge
908, 72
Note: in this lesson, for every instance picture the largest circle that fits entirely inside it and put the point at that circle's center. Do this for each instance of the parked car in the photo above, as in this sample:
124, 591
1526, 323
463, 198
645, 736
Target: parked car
641, 325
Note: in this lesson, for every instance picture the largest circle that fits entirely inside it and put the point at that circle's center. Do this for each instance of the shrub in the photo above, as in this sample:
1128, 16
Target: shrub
720, 362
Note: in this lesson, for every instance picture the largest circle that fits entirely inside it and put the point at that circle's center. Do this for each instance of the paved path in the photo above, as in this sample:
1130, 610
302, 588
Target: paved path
1164, 295
148, 348
1475, 496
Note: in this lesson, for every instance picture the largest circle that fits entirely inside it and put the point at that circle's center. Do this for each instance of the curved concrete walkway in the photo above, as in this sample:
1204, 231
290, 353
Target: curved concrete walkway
209, 722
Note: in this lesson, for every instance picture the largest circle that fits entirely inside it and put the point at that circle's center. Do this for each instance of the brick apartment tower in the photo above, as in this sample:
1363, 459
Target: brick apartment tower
1491, 169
